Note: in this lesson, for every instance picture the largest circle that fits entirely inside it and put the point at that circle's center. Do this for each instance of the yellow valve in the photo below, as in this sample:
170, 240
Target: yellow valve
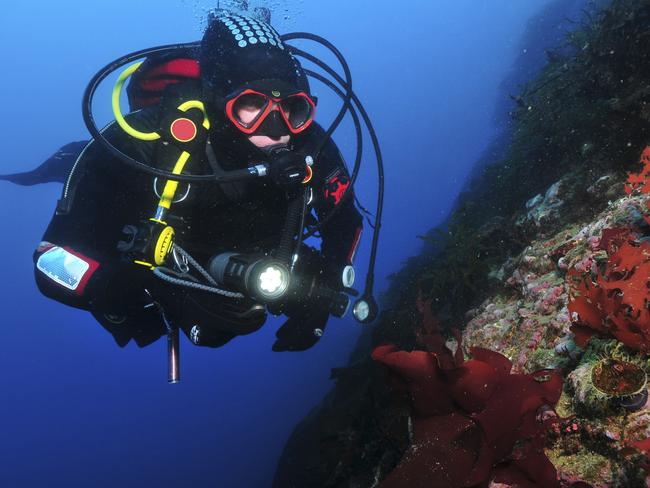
164, 245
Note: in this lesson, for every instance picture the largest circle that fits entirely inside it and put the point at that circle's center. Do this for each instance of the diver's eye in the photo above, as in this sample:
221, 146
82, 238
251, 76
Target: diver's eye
297, 110
249, 107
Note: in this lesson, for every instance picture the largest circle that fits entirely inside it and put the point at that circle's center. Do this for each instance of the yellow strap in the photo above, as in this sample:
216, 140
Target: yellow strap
171, 185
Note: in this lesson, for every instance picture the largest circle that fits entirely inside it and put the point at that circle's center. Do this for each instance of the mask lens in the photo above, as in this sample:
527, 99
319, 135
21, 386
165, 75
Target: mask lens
248, 108
297, 110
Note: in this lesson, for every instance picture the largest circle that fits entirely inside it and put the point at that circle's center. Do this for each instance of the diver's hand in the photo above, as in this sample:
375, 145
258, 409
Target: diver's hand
287, 169
301, 331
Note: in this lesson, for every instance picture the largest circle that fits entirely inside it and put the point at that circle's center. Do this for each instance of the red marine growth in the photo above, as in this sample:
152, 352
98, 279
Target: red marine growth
473, 421
615, 302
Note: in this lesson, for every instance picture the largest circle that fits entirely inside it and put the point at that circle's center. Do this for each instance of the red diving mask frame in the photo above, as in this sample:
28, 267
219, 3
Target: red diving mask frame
248, 109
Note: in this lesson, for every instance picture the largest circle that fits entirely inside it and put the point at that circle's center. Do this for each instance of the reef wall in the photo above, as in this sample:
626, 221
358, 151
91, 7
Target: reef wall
544, 264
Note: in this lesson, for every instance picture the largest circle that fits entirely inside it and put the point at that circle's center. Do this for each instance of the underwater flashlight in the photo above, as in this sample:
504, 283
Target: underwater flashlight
263, 278
268, 280
271, 280
365, 309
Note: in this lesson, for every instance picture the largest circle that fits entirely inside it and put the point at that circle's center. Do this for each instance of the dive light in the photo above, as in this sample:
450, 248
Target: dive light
270, 281
263, 278
365, 309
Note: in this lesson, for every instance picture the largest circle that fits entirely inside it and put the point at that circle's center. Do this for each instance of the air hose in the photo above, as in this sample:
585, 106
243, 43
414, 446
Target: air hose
295, 216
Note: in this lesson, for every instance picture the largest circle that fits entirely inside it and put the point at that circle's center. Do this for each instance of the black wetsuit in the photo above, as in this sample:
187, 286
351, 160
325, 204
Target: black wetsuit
103, 195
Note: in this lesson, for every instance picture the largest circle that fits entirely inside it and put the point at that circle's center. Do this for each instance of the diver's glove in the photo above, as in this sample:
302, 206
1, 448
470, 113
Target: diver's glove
301, 331
287, 168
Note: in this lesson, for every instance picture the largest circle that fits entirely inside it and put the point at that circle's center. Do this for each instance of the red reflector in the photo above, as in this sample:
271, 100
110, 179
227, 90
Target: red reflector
183, 130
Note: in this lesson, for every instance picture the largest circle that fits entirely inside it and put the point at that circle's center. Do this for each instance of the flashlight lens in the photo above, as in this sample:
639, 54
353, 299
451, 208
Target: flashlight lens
361, 310
271, 280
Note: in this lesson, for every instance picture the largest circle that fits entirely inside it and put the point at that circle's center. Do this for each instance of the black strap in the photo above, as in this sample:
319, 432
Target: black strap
231, 190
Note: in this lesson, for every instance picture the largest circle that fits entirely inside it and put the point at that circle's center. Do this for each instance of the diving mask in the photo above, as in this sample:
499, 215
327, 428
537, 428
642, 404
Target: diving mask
257, 110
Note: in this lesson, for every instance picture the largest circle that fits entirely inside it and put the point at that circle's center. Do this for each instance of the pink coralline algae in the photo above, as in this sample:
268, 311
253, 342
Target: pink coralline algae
473, 421
593, 242
547, 304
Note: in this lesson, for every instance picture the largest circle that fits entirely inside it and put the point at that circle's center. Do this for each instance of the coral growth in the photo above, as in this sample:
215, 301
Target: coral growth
473, 421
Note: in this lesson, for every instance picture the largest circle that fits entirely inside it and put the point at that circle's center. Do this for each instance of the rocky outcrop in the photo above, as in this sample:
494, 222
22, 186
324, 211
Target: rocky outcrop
529, 267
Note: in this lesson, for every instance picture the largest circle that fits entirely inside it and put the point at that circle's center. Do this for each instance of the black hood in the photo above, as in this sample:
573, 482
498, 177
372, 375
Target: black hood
236, 51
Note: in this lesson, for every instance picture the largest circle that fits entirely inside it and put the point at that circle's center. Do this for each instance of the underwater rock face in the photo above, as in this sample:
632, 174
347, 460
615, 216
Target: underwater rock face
544, 208
566, 294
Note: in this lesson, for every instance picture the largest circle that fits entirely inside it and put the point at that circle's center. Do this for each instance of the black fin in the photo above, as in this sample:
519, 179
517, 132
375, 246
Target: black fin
54, 169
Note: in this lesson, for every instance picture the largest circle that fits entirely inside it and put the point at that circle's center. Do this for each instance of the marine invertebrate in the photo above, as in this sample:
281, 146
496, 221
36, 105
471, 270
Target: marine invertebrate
609, 380
622, 381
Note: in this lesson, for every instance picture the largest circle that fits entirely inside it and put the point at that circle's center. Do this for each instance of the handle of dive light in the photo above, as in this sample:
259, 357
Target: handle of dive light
336, 302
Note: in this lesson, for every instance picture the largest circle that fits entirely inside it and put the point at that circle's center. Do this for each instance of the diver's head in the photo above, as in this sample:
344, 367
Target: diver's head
254, 89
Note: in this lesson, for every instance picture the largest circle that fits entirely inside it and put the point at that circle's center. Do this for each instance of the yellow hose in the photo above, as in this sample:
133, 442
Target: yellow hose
117, 111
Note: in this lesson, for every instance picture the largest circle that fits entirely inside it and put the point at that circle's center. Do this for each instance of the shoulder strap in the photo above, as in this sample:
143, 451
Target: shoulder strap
231, 190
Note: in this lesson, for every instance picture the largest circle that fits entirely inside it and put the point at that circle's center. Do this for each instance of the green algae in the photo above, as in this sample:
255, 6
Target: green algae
584, 464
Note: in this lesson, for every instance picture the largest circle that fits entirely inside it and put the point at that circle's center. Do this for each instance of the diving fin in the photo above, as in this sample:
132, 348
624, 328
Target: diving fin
54, 170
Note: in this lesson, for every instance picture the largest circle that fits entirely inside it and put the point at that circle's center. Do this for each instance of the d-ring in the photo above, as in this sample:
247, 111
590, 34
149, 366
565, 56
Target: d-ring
187, 192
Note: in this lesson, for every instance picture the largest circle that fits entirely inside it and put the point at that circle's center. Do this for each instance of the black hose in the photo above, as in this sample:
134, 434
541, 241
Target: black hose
357, 159
295, 217
347, 85
380, 166
301, 227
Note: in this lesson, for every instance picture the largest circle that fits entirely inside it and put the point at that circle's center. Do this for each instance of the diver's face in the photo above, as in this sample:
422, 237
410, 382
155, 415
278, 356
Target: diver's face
247, 113
264, 141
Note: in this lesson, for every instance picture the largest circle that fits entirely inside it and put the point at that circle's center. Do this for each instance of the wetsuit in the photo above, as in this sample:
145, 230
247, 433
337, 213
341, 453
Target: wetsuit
102, 195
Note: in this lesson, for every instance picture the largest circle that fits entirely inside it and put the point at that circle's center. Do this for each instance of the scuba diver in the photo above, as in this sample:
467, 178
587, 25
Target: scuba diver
226, 175
194, 210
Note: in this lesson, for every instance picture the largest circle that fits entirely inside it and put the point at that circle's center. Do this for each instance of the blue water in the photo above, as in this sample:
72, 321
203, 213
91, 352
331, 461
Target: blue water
78, 411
